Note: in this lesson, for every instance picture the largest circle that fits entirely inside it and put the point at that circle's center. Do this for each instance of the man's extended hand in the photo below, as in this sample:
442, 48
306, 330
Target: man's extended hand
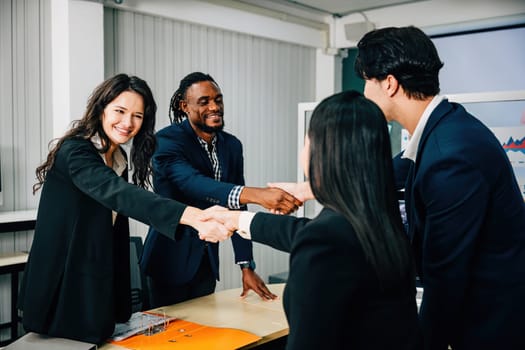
273, 198
250, 280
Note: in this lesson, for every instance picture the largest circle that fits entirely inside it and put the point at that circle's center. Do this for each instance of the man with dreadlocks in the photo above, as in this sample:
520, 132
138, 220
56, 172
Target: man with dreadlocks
198, 163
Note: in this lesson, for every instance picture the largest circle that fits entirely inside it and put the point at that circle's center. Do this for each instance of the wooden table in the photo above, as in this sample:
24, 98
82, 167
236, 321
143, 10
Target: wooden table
265, 319
18, 220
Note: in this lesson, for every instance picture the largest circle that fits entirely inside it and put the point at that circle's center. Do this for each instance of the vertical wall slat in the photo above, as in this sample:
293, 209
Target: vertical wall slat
6, 109
25, 118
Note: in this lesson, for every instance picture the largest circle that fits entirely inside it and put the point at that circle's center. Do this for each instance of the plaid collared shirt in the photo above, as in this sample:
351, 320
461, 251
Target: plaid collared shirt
235, 193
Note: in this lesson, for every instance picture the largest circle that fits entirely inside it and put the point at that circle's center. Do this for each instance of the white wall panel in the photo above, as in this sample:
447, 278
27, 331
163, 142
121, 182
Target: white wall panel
24, 117
311, 34
85, 52
24, 106
262, 81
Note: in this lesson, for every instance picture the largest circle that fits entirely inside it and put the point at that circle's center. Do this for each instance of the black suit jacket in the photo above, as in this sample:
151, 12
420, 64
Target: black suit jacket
76, 282
183, 171
333, 299
466, 219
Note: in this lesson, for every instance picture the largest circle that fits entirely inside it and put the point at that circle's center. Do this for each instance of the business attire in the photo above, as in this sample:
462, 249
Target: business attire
186, 171
77, 280
466, 219
333, 298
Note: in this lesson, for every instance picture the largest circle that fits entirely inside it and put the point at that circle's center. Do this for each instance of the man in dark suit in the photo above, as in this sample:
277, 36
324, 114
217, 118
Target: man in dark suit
466, 214
198, 163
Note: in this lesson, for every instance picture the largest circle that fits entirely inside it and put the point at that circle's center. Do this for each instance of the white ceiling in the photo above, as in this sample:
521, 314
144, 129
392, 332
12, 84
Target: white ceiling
344, 7
336, 8
331, 24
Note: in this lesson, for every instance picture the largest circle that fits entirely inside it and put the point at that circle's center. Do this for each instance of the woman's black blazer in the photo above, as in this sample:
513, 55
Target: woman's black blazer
76, 282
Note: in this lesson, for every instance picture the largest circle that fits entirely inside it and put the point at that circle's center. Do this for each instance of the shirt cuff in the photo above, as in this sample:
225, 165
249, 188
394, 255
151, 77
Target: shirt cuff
245, 220
234, 197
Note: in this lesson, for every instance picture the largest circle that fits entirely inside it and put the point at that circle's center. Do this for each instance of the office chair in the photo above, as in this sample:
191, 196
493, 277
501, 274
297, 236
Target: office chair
139, 289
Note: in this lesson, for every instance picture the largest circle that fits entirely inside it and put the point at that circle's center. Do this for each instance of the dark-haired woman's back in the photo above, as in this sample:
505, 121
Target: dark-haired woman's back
333, 298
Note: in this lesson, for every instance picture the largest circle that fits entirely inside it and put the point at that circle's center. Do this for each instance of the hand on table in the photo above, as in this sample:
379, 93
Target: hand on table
250, 280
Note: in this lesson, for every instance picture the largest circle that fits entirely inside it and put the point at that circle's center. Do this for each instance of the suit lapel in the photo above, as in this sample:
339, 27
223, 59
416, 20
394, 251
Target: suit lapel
197, 150
222, 155
414, 227
439, 112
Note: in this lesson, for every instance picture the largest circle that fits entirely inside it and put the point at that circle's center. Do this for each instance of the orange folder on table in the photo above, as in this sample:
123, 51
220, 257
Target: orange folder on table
181, 334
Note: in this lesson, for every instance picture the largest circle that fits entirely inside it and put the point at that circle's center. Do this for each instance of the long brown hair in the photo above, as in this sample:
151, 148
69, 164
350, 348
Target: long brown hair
143, 144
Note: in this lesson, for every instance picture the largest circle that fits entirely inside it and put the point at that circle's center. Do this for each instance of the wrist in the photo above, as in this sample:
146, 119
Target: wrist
243, 224
252, 195
190, 216
247, 264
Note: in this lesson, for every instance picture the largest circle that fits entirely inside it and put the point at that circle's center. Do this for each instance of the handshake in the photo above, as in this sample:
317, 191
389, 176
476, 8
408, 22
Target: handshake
217, 223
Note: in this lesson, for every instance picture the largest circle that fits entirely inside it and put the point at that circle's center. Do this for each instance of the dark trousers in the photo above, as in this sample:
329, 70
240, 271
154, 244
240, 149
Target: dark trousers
203, 283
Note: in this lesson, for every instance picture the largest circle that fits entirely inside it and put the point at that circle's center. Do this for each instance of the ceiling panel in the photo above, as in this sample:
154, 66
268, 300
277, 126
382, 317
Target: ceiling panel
344, 7
326, 7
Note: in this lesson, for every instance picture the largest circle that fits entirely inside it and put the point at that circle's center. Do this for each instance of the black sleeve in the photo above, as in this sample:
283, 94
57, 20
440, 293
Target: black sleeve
277, 231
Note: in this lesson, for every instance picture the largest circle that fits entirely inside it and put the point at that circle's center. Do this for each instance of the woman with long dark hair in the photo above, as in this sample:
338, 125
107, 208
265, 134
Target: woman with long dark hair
351, 281
77, 280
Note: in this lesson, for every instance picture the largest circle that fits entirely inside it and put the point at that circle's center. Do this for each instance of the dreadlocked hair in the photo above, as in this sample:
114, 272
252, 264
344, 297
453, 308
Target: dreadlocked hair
177, 115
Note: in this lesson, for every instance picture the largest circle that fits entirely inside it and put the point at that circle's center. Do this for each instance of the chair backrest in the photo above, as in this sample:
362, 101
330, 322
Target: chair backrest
139, 286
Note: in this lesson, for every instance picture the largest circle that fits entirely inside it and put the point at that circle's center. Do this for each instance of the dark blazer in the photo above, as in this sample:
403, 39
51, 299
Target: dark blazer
76, 282
466, 221
183, 171
333, 299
